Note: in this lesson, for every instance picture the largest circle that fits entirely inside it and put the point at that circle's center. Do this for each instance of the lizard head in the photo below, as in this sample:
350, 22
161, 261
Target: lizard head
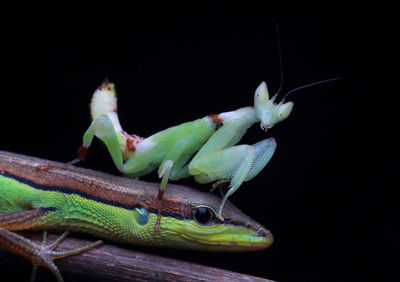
195, 225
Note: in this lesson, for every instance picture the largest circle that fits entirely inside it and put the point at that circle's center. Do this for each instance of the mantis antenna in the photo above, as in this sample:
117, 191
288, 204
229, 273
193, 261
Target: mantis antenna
281, 70
280, 59
307, 85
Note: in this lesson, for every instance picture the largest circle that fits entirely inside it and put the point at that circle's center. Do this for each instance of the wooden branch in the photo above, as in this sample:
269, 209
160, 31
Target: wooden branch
112, 263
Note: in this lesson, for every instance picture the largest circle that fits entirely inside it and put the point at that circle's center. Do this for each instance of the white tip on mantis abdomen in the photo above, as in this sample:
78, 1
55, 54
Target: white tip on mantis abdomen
104, 101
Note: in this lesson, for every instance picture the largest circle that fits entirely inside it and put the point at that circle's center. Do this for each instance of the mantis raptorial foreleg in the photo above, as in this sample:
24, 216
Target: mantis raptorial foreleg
234, 127
235, 164
264, 152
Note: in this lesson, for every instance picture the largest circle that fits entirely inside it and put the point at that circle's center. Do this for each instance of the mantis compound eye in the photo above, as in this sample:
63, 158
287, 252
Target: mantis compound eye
285, 110
203, 215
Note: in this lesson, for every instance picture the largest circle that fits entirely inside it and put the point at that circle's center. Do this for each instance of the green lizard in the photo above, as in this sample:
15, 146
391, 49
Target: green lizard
112, 208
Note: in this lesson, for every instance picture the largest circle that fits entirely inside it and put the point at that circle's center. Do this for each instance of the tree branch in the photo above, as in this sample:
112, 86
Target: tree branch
112, 263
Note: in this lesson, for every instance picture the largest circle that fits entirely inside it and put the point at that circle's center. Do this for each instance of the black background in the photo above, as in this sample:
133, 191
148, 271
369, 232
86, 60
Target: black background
321, 195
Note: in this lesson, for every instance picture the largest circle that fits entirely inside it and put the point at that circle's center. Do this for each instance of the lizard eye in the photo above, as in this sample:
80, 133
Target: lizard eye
203, 215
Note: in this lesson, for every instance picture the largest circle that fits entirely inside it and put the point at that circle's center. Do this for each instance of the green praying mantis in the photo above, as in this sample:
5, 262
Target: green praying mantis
197, 148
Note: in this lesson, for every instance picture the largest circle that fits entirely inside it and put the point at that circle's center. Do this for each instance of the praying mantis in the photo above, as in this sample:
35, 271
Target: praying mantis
197, 148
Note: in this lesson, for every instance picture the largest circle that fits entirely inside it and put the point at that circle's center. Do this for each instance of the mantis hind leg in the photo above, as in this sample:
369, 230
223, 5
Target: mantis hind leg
150, 168
104, 129
172, 163
180, 169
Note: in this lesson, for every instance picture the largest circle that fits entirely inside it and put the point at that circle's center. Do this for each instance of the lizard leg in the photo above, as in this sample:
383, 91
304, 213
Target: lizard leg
39, 255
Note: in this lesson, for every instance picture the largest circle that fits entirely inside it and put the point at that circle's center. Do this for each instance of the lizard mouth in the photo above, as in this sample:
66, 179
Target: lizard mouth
246, 242
249, 239
225, 237
241, 240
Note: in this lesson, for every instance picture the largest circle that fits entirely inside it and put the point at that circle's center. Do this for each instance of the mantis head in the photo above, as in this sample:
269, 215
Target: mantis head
267, 110
270, 113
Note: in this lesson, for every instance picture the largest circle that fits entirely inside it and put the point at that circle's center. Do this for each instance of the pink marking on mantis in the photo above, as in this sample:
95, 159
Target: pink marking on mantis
215, 118
131, 141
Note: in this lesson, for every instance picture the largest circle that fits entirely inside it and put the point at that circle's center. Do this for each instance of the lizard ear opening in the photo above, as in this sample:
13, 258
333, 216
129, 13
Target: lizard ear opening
141, 216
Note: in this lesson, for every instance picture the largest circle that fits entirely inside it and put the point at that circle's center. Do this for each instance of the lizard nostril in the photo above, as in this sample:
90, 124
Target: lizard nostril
262, 232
